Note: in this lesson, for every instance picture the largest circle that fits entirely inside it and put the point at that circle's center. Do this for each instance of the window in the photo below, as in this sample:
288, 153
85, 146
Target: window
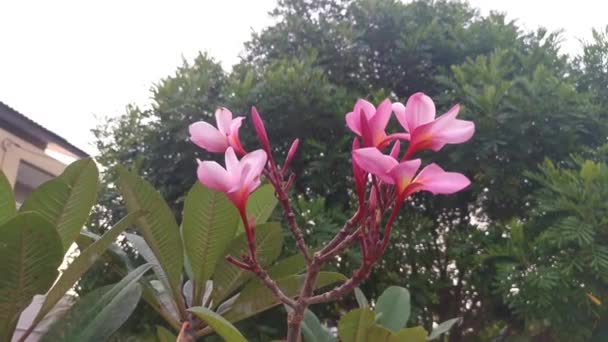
29, 178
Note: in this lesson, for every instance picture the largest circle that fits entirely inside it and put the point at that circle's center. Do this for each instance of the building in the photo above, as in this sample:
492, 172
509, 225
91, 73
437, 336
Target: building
31, 154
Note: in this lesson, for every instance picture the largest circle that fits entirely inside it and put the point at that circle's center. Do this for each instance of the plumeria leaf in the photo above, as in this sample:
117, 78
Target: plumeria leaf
354, 326
443, 328
157, 226
219, 324
393, 308
80, 265
260, 205
209, 224
66, 201
97, 315
269, 240
30, 253
7, 199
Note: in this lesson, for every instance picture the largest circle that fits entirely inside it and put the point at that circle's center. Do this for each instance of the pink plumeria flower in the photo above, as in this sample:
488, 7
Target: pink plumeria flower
417, 117
432, 178
370, 122
239, 179
218, 139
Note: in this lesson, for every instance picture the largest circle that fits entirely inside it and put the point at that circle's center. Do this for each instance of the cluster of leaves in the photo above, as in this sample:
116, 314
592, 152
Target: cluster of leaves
303, 73
191, 273
33, 244
556, 261
386, 321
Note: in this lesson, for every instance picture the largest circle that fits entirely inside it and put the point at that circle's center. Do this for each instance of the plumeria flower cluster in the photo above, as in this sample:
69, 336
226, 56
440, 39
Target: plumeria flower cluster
383, 181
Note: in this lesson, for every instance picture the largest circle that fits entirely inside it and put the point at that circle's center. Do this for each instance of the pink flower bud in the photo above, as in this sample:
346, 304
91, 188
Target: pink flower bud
258, 124
291, 153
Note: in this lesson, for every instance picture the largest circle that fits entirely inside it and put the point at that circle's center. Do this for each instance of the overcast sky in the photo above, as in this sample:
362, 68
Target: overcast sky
64, 62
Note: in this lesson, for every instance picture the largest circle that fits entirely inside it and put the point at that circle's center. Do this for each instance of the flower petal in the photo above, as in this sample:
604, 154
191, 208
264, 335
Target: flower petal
233, 138
212, 175
404, 173
368, 109
373, 161
223, 118
253, 162
399, 110
207, 137
434, 179
353, 122
233, 167
396, 149
419, 110
380, 119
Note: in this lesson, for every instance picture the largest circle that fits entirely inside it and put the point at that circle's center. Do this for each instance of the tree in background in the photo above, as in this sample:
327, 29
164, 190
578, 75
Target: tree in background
529, 102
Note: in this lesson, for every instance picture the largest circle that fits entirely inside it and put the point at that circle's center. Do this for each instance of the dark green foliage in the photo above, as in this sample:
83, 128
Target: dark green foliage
557, 260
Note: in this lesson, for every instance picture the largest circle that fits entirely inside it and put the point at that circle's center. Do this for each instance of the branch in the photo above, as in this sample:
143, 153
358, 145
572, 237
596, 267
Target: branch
358, 276
277, 181
250, 265
342, 233
345, 243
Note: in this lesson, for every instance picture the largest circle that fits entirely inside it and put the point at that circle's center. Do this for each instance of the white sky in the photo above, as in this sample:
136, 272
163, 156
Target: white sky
63, 62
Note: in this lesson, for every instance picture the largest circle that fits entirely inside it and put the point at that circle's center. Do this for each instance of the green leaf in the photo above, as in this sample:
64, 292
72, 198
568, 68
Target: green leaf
219, 324
30, 253
148, 255
209, 224
414, 334
393, 308
260, 205
291, 265
80, 265
7, 199
164, 335
354, 326
66, 201
590, 171
157, 225
256, 297
269, 241
313, 330
361, 299
378, 333
98, 314
443, 328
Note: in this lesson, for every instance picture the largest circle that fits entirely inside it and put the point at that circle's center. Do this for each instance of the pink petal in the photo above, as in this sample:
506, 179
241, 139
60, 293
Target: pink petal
434, 179
419, 110
366, 132
446, 130
235, 125
212, 175
223, 118
396, 149
233, 138
233, 166
373, 161
404, 173
380, 119
458, 132
354, 122
254, 162
399, 110
444, 121
368, 109
207, 137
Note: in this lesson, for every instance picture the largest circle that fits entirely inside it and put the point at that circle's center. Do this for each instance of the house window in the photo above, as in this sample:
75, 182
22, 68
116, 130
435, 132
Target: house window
29, 178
